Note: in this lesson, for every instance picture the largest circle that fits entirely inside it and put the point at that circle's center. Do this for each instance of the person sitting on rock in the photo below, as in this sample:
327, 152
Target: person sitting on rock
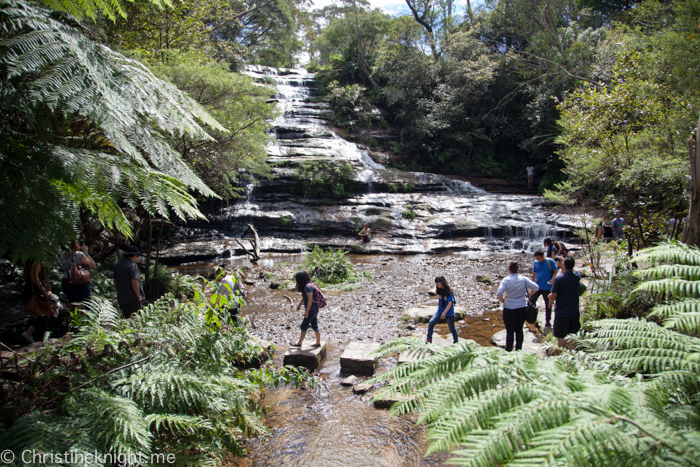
365, 234
306, 287
446, 309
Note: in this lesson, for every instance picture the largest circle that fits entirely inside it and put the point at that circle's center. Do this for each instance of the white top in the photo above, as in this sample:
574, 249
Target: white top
531, 170
226, 291
512, 288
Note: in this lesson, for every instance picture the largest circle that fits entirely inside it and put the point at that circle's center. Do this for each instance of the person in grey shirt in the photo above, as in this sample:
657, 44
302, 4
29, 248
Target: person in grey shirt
513, 294
128, 282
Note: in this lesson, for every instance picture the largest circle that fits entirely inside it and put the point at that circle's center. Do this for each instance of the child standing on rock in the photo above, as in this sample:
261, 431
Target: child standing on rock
446, 309
310, 302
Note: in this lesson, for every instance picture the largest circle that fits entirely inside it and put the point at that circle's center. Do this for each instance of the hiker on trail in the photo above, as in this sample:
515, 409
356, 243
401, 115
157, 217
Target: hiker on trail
617, 224
544, 270
530, 176
36, 279
231, 288
78, 255
365, 234
565, 293
127, 280
513, 293
309, 299
445, 310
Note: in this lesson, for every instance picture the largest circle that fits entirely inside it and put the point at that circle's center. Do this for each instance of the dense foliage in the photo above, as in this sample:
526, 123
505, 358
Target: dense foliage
165, 382
330, 266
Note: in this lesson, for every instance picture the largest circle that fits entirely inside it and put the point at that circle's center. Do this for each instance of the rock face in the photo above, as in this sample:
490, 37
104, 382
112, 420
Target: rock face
307, 356
423, 313
356, 359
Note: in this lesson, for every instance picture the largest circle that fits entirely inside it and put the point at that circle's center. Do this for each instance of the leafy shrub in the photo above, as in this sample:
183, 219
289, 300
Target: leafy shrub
616, 299
392, 188
409, 213
164, 381
350, 108
331, 266
321, 179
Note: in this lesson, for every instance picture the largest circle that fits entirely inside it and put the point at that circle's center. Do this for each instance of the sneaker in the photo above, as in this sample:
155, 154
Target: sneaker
428, 342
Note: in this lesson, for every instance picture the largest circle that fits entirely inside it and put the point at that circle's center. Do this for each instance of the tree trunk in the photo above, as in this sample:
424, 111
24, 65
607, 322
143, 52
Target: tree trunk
691, 232
361, 49
469, 11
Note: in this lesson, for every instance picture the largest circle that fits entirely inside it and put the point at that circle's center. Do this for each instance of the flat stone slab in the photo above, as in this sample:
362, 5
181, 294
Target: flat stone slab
423, 313
530, 342
356, 359
306, 356
349, 381
387, 402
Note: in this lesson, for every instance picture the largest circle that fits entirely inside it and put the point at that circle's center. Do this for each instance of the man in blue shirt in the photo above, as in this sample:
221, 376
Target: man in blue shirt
617, 224
567, 318
543, 272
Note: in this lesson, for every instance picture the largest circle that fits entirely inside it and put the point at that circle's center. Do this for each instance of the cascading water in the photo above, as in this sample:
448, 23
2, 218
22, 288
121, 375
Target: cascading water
409, 212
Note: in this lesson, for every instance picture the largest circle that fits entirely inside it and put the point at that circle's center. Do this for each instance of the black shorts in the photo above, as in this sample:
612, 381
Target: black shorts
565, 325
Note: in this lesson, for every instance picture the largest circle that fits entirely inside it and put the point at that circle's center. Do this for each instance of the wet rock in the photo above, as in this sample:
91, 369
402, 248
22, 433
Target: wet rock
361, 388
356, 359
349, 381
249, 282
423, 313
306, 356
387, 401
411, 327
275, 285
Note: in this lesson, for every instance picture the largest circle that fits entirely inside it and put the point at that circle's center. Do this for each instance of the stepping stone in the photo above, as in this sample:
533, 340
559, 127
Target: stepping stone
265, 352
356, 359
349, 381
530, 342
387, 402
361, 388
423, 313
307, 356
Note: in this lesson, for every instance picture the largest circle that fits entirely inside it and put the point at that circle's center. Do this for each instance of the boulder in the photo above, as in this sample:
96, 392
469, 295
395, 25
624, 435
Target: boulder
387, 401
263, 354
305, 356
356, 359
423, 313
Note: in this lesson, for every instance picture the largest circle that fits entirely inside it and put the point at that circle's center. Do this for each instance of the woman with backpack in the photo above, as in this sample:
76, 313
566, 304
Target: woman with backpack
311, 298
78, 257
446, 309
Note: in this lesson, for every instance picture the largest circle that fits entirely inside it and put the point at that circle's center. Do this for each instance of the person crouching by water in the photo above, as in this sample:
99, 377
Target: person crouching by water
446, 309
231, 288
513, 294
365, 234
305, 286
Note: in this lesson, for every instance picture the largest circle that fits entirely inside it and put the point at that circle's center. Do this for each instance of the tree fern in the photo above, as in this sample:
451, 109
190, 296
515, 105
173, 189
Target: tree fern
147, 385
674, 275
492, 407
96, 125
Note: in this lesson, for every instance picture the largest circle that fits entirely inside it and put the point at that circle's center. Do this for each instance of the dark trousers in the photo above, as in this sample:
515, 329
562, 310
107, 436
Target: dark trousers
130, 308
547, 307
514, 319
450, 324
76, 293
